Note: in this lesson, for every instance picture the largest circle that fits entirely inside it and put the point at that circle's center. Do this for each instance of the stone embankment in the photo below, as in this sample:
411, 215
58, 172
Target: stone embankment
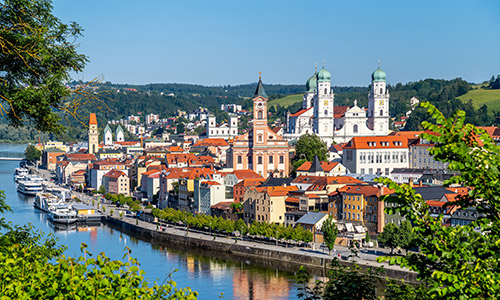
289, 259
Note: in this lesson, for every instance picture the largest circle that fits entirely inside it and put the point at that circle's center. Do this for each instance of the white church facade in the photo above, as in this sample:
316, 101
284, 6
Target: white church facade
339, 124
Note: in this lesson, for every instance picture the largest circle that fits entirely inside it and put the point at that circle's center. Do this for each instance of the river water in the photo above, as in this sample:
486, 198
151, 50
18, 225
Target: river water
209, 276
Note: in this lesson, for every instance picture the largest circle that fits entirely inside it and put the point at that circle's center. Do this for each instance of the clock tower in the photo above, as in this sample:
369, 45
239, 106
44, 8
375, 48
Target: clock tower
323, 107
378, 104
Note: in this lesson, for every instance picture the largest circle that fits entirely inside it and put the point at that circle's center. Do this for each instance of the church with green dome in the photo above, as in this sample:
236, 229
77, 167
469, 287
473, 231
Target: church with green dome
339, 124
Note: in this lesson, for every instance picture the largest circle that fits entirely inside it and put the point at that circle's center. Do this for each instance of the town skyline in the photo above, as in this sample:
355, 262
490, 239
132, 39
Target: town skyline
195, 43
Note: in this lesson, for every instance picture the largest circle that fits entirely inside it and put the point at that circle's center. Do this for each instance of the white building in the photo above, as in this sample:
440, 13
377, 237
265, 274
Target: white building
319, 114
152, 118
421, 158
108, 136
377, 155
225, 130
120, 135
231, 107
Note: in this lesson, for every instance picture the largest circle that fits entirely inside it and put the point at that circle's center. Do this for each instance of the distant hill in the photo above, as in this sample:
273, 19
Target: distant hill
286, 101
480, 97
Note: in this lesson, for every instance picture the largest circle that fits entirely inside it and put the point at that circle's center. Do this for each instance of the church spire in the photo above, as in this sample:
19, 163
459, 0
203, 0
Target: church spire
260, 92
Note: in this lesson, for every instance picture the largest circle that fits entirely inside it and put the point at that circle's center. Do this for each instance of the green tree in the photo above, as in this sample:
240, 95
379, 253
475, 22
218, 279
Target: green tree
310, 145
456, 262
390, 236
330, 232
38, 52
31, 153
406, 236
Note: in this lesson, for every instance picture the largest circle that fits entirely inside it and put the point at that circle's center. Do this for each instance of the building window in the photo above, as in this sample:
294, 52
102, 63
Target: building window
355, 129
326, 91
282, 159
270, 159
381, 112
259, 160
381, 90
239, 159
362, 171
259, 115
260, 138
250, 160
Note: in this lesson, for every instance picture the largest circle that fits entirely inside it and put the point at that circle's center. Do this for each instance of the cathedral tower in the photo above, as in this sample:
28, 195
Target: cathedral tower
378, 104
93, 135
323, 107
311, 83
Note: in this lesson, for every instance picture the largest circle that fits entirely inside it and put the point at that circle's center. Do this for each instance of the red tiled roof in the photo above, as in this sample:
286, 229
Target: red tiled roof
246, 174
250, 182
92, 119
212, 142
339, 111
325, 165
80, 157
377, 142
108, 161
300, 112
276, 129
114, 174
225, 205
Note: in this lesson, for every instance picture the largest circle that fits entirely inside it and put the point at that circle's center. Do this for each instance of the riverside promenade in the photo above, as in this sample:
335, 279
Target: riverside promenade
244, 251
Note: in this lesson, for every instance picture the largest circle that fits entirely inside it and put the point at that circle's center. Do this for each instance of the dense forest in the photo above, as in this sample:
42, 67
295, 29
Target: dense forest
117, 101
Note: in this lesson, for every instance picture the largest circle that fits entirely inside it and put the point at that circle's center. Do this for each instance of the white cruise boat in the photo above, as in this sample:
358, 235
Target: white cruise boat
44, 201
29, 187
59, 192
62, 214
20, 174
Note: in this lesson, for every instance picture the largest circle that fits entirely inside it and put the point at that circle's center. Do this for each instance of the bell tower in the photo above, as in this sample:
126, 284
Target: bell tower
378, 103
93, 135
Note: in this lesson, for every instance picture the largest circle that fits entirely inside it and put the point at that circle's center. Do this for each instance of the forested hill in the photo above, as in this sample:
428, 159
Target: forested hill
119, 101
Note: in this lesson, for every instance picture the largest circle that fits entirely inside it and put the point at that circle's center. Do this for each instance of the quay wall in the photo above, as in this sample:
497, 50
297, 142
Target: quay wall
257, 254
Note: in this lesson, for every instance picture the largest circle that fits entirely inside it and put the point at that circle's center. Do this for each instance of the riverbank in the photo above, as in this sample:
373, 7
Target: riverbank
249, 252
289, 259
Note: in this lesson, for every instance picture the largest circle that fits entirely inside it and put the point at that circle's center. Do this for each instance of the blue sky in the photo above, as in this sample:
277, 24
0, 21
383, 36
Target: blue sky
229, 42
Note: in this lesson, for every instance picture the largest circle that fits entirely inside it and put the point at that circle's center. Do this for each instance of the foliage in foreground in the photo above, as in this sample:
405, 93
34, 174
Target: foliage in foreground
343, 282
38, 52
33, 267
461, 262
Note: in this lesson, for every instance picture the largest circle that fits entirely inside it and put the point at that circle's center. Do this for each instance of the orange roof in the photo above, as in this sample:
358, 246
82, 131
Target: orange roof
365, 190
108, 161
250, 182
276, 129
128, 143
377, 142
339, 111
281, 190
175, 149
114, 174
207, 183
225, 205
292, 200
246, 174
92, 119
212, 142
407, 134
80, 156
300, 112
325, 165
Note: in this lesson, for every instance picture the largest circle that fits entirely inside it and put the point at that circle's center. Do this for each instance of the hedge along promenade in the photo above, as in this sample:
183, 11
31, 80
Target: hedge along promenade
220, 224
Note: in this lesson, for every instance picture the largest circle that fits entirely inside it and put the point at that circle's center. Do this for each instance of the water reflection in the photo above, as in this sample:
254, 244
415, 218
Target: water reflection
206, 272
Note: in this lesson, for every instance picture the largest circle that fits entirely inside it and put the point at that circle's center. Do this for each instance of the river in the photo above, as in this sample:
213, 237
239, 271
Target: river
210, 277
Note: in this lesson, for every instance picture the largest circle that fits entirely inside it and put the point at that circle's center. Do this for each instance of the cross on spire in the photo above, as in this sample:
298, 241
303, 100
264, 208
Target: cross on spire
379, 63
323, 63
260, 75
315, 67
